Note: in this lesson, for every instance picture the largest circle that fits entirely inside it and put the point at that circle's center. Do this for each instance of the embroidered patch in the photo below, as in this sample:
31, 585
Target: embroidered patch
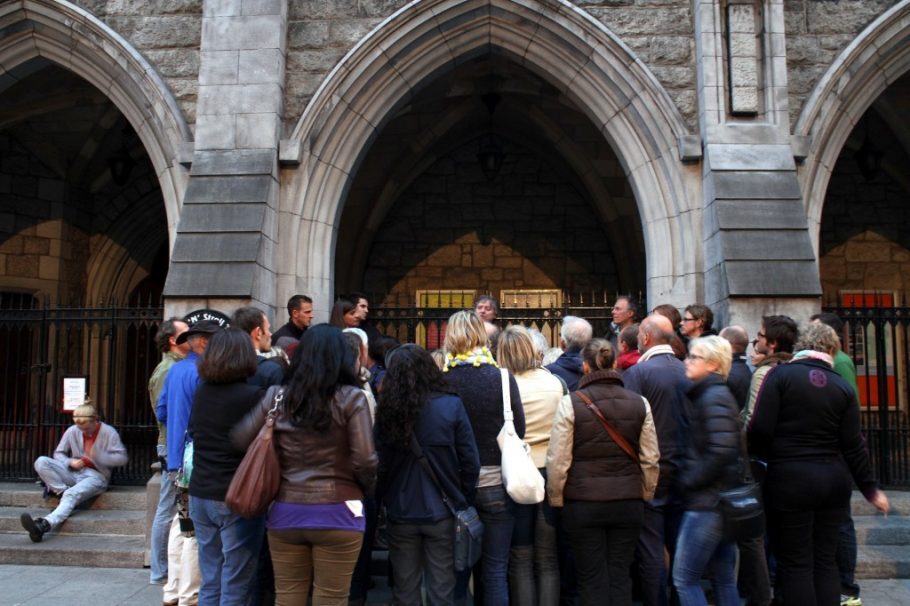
818, 378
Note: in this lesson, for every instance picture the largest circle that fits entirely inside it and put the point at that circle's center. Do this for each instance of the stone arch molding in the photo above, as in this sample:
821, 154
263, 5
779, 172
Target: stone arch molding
552, 38
78, 41
877, 57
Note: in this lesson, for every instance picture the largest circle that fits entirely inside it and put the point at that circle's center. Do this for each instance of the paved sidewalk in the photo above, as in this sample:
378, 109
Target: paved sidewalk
74, 586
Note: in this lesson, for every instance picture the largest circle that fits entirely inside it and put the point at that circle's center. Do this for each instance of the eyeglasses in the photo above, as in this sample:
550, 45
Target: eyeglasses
754, 342
692, 356
760, 335
688, 319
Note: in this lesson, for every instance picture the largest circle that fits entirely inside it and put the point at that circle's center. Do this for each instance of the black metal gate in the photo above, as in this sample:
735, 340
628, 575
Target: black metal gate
878, 340
40, 345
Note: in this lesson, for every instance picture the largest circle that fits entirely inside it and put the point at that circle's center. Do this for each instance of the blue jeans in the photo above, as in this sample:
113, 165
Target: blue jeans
700, 547
161, 527
228, 552
496, 511
533, 561
659, 529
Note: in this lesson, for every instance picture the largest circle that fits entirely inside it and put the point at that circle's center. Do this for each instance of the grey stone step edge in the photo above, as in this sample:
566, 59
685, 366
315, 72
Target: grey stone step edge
73, 550
93, 521
131, 498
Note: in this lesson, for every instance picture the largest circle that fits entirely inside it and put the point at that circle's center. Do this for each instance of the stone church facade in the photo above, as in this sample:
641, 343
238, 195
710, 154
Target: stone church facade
749, 154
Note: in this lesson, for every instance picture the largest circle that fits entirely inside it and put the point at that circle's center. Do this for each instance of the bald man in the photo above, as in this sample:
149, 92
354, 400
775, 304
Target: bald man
660, 377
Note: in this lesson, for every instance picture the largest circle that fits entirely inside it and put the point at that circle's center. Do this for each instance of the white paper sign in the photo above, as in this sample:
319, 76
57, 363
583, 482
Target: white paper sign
74, 392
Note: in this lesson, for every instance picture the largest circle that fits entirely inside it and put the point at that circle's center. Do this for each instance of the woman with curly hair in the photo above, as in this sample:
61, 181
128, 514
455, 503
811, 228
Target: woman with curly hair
416, 404
324, 437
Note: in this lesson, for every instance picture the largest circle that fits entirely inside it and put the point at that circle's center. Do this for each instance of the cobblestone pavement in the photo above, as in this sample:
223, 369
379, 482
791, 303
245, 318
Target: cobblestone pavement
74, 586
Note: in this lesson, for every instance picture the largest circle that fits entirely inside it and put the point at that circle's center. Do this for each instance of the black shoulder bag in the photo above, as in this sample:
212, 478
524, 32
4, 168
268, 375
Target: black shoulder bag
468, 527
741, 506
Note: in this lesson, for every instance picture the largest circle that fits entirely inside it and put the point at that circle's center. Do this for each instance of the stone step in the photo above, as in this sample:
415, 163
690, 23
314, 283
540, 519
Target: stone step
131, 498
883, 562
899, 500
92, 521
73, 550
893, 530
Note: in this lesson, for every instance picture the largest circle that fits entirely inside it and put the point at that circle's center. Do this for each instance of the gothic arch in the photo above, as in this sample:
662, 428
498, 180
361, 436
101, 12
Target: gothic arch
552, 38
878, 56
73, 38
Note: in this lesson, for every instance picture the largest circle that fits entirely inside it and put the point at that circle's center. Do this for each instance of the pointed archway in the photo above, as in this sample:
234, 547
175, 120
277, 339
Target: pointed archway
574, 53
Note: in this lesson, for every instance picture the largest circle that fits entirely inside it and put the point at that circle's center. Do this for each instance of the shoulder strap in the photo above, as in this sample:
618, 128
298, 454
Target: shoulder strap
617, 437
506, 396
422, 459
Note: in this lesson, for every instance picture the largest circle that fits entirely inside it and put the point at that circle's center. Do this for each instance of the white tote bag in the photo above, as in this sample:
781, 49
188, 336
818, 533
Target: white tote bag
519, 474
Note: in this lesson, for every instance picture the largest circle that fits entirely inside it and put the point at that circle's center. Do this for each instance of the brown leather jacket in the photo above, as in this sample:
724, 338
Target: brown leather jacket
320, 467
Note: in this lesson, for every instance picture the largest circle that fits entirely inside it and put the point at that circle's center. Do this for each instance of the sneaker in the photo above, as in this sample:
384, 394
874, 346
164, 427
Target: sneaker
850, 600
36, 527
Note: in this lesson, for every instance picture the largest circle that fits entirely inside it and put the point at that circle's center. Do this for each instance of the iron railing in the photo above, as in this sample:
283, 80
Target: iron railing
877, 338
40, 345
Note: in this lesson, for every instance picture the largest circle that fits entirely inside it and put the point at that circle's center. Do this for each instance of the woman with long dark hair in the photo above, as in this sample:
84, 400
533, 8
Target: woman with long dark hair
601, 483
323, 434
416, 404
344, 315
228, 543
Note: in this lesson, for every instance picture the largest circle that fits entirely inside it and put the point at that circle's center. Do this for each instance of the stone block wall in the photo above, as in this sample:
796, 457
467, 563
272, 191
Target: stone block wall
864, 242
166, 32
38, 250
817, 31
320, 32
530, 228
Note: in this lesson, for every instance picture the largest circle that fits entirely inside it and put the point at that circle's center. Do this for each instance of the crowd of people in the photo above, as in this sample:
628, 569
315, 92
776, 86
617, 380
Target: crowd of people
637, 433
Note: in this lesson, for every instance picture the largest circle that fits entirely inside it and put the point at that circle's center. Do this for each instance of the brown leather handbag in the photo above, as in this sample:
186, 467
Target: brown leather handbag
257, 479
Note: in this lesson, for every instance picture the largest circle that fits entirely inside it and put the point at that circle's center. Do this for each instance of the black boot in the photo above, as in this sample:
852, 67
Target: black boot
36, 527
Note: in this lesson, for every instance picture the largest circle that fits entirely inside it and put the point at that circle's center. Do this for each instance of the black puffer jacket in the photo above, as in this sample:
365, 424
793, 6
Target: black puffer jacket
711, 460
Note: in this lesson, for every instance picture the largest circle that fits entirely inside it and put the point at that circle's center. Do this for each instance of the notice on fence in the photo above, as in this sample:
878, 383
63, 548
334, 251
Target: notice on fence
75, 390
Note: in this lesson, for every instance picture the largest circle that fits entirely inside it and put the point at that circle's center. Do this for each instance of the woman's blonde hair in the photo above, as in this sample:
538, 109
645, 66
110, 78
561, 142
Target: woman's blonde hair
819, 337
515, 350
464, 332
716, 350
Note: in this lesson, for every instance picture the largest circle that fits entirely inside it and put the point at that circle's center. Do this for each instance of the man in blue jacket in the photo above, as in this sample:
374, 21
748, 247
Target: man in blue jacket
574, 335
661, 378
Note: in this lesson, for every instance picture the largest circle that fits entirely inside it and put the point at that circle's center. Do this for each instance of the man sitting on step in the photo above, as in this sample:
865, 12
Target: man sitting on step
80, 469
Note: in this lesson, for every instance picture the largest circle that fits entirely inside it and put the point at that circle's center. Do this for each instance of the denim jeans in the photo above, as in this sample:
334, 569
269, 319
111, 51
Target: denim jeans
228, 552
700, 548
497, 512
603, 535
422, 552
533, 562
76, 485
161, 526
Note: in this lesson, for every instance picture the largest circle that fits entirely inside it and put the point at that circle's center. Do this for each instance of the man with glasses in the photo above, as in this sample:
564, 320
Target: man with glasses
80, 469
775, 342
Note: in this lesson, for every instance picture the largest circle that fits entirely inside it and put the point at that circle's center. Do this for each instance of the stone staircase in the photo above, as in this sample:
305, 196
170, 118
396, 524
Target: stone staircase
108, 532
883, 543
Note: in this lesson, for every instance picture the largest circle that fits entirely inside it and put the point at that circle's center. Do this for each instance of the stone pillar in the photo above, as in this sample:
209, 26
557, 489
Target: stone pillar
224, 252
758, 255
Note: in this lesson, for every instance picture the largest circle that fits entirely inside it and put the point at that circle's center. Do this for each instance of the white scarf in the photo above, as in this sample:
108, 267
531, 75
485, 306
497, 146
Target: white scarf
654, 351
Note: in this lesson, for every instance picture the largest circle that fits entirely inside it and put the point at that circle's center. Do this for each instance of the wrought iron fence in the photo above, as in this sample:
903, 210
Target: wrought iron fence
877, 338
40, 345
422, 319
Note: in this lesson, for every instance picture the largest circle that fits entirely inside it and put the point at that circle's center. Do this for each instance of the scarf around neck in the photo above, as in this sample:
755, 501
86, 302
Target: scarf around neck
475, 357
813, 355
